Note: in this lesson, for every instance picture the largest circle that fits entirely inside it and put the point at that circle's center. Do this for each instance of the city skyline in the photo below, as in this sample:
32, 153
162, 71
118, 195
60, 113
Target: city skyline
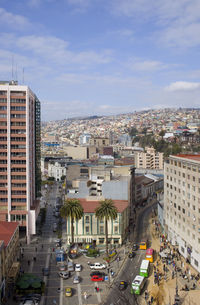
102, 57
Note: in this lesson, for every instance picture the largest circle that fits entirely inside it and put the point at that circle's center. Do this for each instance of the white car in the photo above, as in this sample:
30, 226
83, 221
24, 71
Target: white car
97, 266
76, 279
78, 267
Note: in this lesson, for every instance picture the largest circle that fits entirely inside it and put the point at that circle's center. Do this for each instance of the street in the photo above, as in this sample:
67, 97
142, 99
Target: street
39, 254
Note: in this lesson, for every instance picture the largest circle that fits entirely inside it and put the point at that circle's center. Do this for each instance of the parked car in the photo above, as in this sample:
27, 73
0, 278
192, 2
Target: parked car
70, 266
64, 274
76, 279
122, 285
97, 266
68, 292
99, 273
62, 267
45, 271
29, 302
78, 267
97, 278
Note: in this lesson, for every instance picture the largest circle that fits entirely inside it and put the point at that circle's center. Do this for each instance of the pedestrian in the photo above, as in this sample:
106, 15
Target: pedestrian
85, 295
28, 262
22, 255
42, 246
34, 258
97, 289
164, 267
35, 249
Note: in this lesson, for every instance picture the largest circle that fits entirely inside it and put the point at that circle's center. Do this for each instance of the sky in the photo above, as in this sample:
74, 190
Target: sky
102, 57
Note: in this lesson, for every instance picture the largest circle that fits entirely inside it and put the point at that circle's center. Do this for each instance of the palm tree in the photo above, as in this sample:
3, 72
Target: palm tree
108, 211
73, 209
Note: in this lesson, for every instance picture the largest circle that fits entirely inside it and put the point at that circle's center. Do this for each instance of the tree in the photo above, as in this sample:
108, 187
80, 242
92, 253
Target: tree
106, 211
73, 209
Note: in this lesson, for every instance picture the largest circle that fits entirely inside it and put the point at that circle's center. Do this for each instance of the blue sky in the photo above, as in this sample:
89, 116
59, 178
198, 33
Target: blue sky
86, 57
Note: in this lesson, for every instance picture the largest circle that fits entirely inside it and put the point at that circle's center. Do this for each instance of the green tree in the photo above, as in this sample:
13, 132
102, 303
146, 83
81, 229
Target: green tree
133, 132
106, 211
73, 209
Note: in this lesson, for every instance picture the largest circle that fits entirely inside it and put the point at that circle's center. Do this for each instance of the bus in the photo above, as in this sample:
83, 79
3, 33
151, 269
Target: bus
137, 284
144, 268
149, 255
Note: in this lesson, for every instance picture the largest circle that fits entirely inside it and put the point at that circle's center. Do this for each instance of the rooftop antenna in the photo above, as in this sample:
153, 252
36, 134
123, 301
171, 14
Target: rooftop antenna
16, 72
23, 76
12, 67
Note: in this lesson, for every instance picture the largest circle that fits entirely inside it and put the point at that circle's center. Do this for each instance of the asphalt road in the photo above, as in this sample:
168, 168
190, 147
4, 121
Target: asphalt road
131, 267
41, 248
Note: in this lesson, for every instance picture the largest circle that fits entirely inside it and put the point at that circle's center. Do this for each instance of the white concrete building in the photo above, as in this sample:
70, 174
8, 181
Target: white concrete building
182, 205
56, 170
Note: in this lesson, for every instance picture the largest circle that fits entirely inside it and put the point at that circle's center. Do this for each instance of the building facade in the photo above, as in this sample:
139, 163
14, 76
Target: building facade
20, 176
9, 254
92, 230
149, 159
182, 205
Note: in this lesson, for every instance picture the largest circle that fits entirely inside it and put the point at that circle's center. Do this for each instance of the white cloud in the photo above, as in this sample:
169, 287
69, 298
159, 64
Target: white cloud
13, 20
57, 50
177, 21
182, 86
147, 65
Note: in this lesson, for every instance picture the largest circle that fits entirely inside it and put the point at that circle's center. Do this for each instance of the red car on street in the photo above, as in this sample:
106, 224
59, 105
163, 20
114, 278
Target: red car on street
97, 278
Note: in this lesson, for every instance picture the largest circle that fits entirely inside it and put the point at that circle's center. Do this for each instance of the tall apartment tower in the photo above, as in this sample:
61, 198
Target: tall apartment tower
149, 159
20, 177
182, 205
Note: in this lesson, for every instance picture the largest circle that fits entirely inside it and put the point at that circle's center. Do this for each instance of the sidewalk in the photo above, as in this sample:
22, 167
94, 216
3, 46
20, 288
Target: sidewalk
164, 294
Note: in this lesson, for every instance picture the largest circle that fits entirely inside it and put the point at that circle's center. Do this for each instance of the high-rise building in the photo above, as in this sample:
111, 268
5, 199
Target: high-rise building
20, 177
182, 205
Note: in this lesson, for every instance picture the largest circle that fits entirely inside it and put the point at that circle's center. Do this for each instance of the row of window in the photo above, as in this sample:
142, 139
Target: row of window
184, 166
13, 185
189, 177
13, 199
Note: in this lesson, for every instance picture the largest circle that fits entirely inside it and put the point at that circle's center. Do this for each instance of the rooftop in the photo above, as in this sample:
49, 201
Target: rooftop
90, 206
189, 156
7, 229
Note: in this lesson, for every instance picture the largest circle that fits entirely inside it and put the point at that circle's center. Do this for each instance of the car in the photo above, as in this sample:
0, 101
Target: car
45, 271
62, 267
122, 285
97, 266
68, 292
78, 267
135, 247
76, 279
64, 274
99, 273
131, 254
97, 278
29, 302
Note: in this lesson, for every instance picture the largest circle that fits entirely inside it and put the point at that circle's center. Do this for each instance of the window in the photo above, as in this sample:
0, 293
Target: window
196, 262
101, 229
115, 229
183, 211
87, 229
87, 219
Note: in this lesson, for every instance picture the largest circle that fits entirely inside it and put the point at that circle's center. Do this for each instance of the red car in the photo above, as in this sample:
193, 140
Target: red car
97, 278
